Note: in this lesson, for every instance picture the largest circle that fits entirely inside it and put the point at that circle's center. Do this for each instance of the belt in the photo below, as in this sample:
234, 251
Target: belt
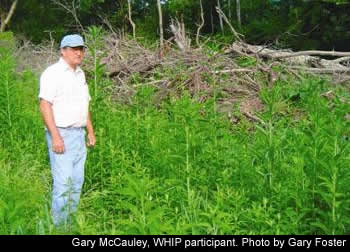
68, 128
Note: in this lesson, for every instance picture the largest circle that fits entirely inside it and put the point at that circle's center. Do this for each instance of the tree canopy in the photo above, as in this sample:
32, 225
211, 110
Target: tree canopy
297, 24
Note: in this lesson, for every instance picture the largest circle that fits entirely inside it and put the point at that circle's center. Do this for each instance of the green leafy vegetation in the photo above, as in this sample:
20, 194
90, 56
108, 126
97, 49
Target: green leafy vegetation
181, 167
171, 162
301, 25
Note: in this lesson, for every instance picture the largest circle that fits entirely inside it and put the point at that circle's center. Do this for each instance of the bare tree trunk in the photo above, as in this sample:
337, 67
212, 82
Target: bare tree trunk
160, 24
238, 9
223, 16
5, 21
2, 17
201, 24
212, 20
130, 20
229, 11
220, 18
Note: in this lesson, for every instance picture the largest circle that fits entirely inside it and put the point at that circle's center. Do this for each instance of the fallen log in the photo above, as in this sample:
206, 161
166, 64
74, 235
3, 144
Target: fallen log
303, 59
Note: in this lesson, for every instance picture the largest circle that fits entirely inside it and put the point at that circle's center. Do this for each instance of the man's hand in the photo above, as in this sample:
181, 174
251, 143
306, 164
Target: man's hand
90, 132
58, 144
47, 114
91, 139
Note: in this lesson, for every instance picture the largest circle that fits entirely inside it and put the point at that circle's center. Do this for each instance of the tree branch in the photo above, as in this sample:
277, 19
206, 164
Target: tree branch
312, 52
160, 24
222, 15
202, 23
130, 20
9, 15
72, 10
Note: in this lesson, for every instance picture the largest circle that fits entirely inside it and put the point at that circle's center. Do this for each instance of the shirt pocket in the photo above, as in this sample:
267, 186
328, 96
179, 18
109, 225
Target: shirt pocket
62, 93
80, 92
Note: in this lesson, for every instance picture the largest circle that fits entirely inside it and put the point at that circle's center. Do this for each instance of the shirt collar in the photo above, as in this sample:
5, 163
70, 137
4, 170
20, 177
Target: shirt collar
66, 67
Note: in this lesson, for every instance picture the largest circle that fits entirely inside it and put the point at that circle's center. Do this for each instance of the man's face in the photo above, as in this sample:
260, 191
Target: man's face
73, 55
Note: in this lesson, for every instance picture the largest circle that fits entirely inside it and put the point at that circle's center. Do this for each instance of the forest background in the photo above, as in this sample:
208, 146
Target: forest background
296, 24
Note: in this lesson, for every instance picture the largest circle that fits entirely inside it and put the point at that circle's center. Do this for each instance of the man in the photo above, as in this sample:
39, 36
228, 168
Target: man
64, 105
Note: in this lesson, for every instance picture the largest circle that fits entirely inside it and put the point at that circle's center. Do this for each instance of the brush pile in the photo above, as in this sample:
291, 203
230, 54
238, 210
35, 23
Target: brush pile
234, 75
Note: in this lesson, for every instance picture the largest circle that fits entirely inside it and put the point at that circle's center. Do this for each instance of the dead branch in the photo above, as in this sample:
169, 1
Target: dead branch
131, 66
342, 59
252, 117
70, 8
160, 24
342, 81
321, 70
201, 24
314, 52
5, 22
130, 20
296, 60
220, 17
241, 70
180, 35
222, 14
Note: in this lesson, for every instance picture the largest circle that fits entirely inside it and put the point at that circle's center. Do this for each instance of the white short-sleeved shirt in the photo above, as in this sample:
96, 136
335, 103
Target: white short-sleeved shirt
68, 93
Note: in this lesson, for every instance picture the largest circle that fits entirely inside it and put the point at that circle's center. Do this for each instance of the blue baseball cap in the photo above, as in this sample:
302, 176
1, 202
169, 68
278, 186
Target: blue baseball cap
73, 40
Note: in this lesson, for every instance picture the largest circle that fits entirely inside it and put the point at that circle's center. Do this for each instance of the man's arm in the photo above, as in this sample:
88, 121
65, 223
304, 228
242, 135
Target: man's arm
90, 131
47, 115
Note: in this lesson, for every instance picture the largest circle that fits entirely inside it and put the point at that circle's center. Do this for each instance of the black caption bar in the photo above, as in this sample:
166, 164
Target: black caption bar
183, 242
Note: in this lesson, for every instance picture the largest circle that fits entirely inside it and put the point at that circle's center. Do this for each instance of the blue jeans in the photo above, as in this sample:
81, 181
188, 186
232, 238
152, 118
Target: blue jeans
67, 172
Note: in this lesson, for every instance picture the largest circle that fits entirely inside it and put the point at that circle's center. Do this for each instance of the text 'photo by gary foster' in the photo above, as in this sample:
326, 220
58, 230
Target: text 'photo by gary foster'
151, 242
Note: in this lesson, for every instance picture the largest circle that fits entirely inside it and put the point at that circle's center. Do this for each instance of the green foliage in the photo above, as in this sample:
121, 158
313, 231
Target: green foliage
7, 36
8, 101
87, 5
23, 182
7, 41
181, 168
21, 196
94, 42
338, 1
38, 21
289, 24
